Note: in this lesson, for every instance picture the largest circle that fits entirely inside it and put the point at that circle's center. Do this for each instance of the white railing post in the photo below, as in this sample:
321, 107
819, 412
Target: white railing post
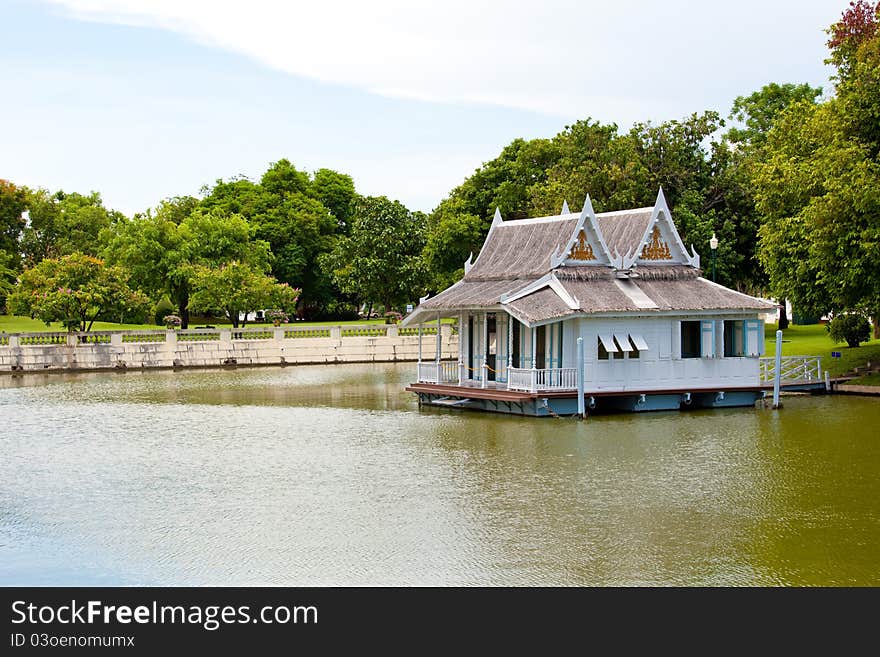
461, 372
439, 337
777, 375
582, 411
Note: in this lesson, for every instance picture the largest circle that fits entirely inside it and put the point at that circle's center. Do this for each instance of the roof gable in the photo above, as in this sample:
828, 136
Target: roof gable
660, 243
585, 245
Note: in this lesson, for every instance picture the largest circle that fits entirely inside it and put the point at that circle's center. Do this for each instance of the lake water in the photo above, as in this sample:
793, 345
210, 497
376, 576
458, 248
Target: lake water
333, 475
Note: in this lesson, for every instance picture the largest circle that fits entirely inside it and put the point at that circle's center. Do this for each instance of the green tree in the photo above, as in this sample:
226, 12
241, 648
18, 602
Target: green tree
75, 290
336, 192
819, 184
13, 202
162, 254
451, 238
283, 179
380, 260
757, 111
287, 210
7, 278
237, 289
61, 223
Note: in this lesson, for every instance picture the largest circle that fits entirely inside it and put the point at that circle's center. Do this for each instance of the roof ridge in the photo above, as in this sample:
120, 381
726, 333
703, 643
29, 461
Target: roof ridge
648, 208
536, 220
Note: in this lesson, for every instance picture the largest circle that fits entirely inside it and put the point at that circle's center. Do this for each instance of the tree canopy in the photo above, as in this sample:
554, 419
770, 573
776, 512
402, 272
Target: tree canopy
237, 289
819, 183
789, 183
76, 290
380, 260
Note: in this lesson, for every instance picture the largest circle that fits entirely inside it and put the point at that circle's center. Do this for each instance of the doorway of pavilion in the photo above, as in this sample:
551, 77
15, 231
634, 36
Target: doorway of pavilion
491, 347
540, 347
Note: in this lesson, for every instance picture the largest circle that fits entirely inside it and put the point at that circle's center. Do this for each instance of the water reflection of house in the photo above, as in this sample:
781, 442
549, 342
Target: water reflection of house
656, 334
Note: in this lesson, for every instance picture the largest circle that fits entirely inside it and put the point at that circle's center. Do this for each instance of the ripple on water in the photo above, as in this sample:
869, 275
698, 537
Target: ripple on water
331, 475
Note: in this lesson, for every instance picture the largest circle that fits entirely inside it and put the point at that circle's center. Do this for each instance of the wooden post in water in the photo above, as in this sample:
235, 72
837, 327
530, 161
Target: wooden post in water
582, 411
777, 375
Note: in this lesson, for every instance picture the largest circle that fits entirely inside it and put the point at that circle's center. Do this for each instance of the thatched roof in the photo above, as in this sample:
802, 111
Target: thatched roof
645, 273
521, 249
623, 230
474, 294
517, 254
539, 307
700, 294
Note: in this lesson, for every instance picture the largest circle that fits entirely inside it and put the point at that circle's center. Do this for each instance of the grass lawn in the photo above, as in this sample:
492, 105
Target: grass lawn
19, 324
813, 340
867, 380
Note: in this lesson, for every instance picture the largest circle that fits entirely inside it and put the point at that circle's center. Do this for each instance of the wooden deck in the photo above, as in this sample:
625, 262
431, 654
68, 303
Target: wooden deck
496, 394
502, 394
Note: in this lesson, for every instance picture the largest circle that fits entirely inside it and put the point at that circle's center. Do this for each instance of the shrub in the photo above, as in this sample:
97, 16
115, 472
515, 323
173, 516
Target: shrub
172, 321
163, 307
277, 317
392, 317
851, 328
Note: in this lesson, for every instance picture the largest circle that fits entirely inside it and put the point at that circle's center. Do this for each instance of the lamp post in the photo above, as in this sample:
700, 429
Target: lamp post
713, 244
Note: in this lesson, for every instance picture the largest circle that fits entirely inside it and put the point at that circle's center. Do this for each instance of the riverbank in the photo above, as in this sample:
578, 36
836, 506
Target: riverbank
813, 340
224, 347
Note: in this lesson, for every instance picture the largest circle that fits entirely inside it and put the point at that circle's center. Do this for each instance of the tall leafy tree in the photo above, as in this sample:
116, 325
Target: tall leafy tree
755, 115
380, 260
61, 223
162, 254
236, 289
819, 186
336, 192
76, 290
13, 203
287, 212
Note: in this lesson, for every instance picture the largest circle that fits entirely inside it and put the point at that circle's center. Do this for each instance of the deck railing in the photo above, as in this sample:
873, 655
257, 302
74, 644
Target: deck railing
547, 379
446, 371
793, 369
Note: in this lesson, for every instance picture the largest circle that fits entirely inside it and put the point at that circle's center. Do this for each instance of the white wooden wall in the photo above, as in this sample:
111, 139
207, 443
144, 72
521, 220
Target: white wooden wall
661, 367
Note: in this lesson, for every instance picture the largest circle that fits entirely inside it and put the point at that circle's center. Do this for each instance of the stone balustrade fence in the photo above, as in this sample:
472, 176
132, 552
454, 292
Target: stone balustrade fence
214, 347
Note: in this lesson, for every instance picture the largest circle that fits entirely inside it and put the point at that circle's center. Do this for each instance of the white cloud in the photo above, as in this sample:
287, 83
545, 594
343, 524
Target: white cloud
614, 61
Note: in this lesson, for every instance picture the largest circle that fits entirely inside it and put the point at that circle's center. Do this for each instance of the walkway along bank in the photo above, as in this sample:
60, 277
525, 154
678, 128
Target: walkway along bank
284, 345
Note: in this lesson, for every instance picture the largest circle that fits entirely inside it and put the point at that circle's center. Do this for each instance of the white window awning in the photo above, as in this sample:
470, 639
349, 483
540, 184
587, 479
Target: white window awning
623, 341
608, 343
639, 342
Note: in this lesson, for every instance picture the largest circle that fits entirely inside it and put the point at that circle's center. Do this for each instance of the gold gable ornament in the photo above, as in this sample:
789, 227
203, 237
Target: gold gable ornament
582, 250
656, 249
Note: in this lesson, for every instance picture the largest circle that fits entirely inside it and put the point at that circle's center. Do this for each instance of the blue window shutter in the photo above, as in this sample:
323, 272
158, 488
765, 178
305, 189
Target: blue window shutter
707, 339
752, 337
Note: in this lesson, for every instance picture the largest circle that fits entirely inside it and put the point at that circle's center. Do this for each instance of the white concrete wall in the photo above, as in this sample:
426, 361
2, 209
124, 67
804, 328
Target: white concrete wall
173, 352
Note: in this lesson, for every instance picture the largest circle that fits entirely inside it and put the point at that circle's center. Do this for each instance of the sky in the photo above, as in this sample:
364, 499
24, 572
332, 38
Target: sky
141, 100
